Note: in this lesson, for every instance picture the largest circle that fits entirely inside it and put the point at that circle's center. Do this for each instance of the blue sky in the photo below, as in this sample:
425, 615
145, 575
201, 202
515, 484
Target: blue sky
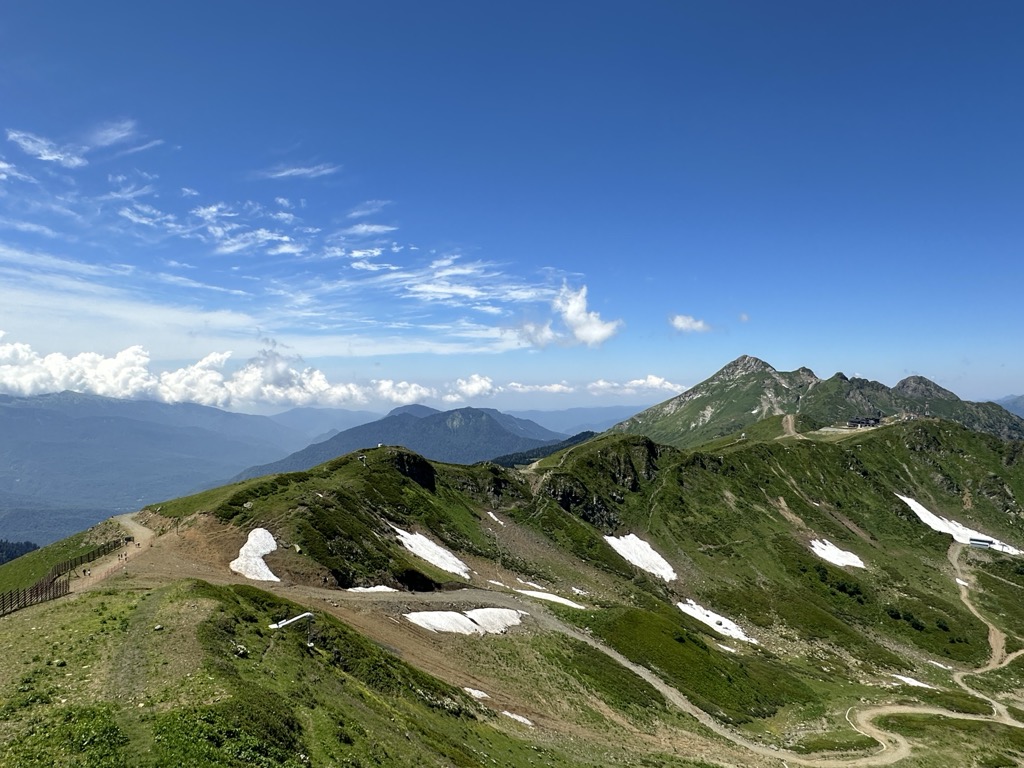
528, 205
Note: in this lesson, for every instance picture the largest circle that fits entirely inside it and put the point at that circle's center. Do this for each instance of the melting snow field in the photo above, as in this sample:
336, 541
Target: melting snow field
249, 562
518, 718
433, 553
480, 621
379, 588
719, 623
960, 533
826, 550
476, 694
638, 552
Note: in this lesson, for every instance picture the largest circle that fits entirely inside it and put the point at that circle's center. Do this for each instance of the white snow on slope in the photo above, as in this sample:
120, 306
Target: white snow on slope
912, 682
962, 583
433, 553
531, 584
960, 533
719, 623
476, 694
495, 518
939, 664
516, 717
479, 621
826, 550
249, 562
550, 598
378, 588
445, 621
638, 552
495, 620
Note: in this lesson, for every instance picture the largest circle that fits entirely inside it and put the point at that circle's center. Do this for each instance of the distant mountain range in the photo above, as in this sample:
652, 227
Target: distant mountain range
460, 436
69, 459
748, 390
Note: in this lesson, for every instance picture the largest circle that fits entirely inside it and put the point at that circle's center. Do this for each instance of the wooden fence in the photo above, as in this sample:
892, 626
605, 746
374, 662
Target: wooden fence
56, 582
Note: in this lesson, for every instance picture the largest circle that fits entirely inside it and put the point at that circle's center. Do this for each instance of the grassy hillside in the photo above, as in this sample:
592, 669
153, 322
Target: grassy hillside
614, 673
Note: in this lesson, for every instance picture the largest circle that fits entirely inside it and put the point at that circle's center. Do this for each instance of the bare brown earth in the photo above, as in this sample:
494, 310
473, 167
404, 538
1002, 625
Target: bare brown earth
201, 548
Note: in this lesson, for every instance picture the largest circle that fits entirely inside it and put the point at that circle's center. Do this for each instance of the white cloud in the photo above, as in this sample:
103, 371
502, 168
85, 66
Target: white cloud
362, 230
44, 149
561, 388
189, 192
475, 386
586, 327
688, 324
9, 171
648, 384
402, 392
284, 202
744, 317
300, 171
26, 226
537, 334
112, 133
140, 148
368, 208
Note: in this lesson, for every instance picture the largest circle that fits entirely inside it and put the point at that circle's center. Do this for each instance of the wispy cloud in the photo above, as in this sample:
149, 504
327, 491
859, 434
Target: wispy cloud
9, 171
688, 324
369, 208
362, 230
299, 171
189, 192
141, 148
46, 150
27, 226
112, 133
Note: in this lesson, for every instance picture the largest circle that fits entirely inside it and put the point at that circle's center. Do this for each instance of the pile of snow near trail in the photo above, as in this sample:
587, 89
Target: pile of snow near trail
638, 552
960, 533
480, 621
476, 694
826, 550
720, 624
912, 682
433, 553
550, 598
249, 562
379, 588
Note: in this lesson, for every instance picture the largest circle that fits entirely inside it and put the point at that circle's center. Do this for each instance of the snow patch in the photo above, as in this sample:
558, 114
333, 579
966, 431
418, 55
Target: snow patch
550, 598
581, 592
433, 553
476, 694
531, 584
719, 623
249, 562
480, 621
495, 518
445, 621
518, 718
962, 583
826, 550
378, 588
638, 552
959, 532
912, 682
727, 648
496, 583
937, 664
495, 620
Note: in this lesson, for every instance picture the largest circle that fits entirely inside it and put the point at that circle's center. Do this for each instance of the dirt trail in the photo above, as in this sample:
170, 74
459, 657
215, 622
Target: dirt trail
203, 554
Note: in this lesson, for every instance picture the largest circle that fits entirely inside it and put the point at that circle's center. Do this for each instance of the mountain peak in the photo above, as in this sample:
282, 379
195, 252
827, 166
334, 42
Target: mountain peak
743, 365
919, 387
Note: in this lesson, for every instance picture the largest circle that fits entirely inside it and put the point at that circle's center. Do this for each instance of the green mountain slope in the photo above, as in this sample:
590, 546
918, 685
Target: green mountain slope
748, 390
596, 551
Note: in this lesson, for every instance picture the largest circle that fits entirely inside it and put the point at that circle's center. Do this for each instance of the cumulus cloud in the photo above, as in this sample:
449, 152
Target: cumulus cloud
648, 384
268, 378
688, 324
586, 327
401, 392
475, 386
44, 149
